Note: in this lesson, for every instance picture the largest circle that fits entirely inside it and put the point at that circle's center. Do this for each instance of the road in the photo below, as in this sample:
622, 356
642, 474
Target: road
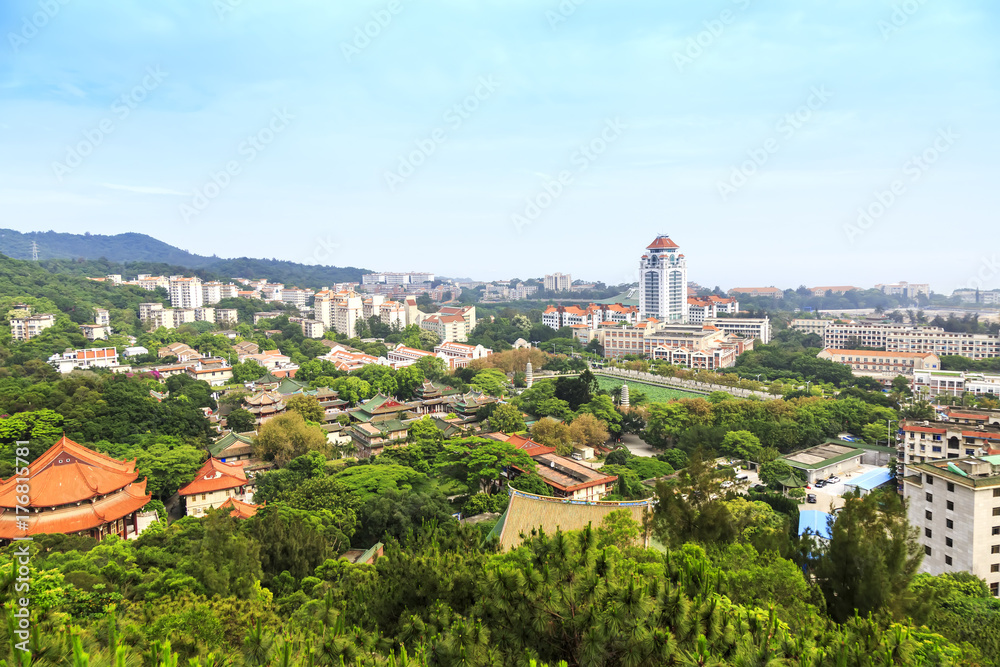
637, 446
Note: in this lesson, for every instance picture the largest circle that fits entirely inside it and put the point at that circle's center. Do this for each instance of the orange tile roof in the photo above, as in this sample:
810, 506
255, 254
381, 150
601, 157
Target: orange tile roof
924, 429
530, 446
214, 476
662, 242
241, 510
69, 473
77, 518
968, 415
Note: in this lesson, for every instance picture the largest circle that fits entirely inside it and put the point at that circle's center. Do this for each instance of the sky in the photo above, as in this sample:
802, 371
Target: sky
778, 143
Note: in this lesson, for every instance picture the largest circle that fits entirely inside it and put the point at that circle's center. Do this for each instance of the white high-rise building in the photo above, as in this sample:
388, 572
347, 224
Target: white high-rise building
663, 284
186, 292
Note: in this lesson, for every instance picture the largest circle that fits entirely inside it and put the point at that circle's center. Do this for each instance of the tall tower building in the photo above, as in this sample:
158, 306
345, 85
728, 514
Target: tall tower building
663, 283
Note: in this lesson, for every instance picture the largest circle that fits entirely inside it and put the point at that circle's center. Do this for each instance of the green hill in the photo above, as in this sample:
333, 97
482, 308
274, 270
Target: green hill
140, 253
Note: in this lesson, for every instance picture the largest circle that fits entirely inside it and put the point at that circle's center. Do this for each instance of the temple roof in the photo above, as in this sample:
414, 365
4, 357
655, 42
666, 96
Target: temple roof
240, 509
215, 476
76, 518
69, 473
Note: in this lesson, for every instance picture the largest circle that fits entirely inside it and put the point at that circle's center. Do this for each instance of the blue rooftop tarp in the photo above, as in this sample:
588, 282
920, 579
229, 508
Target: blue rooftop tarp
871, 479
815, 521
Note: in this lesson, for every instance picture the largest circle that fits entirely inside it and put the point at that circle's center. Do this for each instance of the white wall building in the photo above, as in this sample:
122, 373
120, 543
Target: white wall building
26, 328
186, 292
909, 338
663, 284
558, 282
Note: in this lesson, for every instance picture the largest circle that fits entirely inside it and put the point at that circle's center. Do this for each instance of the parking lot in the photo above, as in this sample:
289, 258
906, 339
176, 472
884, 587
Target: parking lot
830, 497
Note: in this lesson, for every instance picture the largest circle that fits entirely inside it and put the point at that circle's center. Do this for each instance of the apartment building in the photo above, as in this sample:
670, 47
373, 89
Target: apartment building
460, 355
29, 326
963, 434
397, 278
102, 317
955, 504
229, 291
310, 328
266, 315
94, 332
215, 372
591, 317
393, 314
909, 338
446, 327
558, 282
954, 383
370, 305
93, 357
984, 297
709, 307
183, 316
905, 289
148, 282
296, 297
211, 292
185, 292
809, 326
882, 366
226, 316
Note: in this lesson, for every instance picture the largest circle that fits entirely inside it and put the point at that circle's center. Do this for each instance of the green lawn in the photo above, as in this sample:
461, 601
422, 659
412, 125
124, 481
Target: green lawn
653, 393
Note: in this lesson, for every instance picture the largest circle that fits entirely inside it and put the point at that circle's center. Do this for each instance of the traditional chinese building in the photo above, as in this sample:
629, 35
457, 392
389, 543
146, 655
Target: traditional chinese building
74, 490
264, 405
215, 483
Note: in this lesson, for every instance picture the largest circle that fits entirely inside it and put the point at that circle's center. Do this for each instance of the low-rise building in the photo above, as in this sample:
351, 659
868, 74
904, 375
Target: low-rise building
949, 437
905, 289
26, 328
822, 461
689, 345
955, 505
751, 328
934, 383
768, 292
215, 372
572, 479
92, 357
94, 332
882, 366
908, 338
226, 316
460, 355
703, 308
811, 326
102, 317
823, 290
214, 484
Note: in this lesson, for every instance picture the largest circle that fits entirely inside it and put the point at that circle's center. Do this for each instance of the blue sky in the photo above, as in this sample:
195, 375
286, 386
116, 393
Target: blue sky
751, 132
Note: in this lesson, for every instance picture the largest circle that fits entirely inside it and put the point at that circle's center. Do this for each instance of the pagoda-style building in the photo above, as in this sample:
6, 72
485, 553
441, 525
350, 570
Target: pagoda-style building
76, 491
264, 404
214, 484
380, 408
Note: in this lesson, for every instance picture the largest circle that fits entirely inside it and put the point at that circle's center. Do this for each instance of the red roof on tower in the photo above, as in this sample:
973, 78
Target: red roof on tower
662, 242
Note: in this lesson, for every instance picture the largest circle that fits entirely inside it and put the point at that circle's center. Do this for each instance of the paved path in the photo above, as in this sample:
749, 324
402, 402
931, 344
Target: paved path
637, 446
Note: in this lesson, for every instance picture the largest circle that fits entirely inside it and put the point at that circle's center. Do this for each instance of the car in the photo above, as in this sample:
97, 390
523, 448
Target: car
810, 497
820, 483
833, 479
727, 484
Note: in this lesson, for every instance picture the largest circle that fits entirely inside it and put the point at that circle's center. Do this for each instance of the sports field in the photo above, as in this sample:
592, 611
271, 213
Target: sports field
654, 393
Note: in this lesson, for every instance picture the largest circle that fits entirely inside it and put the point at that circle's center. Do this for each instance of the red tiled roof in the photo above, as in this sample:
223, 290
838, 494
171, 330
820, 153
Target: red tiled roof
214, 476
968, 415
69, 473
77, 518
241, 510
662, 242
924, 429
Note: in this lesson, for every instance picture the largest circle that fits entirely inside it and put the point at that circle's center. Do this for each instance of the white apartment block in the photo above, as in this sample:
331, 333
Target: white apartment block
226, 315
310, 328
162, 317
447, 327
393, 314
558, 282
102, 317
185, 292
183, 316
809, 326
955, 383
955, 505
296, 297
114, 278
339, 311
905, 289
708, 307
882, 366
147, 310
663, 284
397, 278
962, 434
211, 292
370, 305
94, 332
26, 328
745, 327
591, 317
266, 315
204, 314
984, 297
271, 291
229, 291
908, 338
148, 282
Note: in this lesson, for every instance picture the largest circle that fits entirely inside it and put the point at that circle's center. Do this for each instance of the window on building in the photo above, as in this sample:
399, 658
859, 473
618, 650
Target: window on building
995, 567
995, 549
949, 523
996, 530
929, 497
950, 505
951, 486
927, 532
948, 542
929, 479
996, 493
947, 560
927, 550
928, 515
995, 589
996, 511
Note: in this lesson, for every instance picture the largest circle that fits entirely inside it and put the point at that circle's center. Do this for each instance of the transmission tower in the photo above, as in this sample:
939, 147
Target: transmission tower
34, 251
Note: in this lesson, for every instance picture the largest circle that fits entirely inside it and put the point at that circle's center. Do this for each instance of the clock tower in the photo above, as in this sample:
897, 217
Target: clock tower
663, 285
